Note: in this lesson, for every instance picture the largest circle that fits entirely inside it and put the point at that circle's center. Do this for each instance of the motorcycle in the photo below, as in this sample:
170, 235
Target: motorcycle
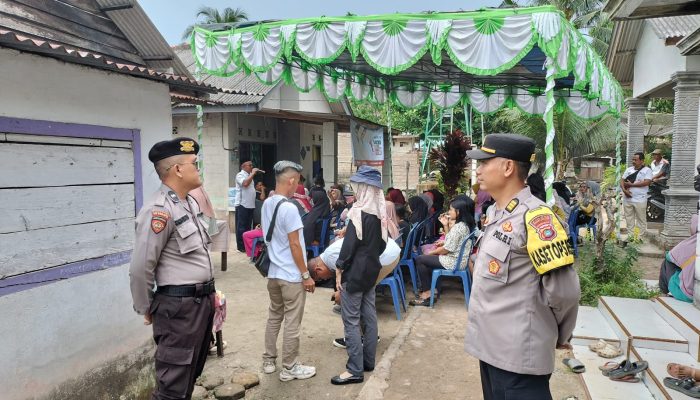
656, 202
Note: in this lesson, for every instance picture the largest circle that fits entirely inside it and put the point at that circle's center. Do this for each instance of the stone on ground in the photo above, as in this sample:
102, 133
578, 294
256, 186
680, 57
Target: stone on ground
246, 379
210, 382
199, 393
230, 392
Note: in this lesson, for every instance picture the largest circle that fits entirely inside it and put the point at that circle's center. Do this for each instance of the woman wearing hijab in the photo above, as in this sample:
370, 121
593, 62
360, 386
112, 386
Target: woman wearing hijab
438, 199
677, 273
392, 220
357, 271
419, 209
321, 210
301, 200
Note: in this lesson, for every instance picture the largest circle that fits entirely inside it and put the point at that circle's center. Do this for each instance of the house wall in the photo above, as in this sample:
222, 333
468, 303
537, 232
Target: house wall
654, 63
67, 328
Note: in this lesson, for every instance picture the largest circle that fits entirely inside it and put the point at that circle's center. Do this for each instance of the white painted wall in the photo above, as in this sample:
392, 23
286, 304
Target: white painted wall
66, 328
654, 63
215, 137
285, 97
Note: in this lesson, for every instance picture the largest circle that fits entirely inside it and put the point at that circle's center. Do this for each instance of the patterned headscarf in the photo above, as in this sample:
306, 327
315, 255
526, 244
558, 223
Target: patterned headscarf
368, 199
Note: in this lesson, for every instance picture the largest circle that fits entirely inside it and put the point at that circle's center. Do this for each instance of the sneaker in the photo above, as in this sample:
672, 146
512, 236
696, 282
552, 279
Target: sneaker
340, 342
269, 367
336, 309
298, 371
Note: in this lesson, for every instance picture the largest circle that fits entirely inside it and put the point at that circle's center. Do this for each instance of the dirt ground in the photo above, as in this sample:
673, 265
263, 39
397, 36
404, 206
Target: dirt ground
427, 361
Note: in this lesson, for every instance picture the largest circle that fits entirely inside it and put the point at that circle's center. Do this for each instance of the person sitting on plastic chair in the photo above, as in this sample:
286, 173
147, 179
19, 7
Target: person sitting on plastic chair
461, 212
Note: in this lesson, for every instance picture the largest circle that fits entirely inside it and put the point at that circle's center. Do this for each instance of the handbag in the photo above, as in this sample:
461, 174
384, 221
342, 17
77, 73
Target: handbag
262, 261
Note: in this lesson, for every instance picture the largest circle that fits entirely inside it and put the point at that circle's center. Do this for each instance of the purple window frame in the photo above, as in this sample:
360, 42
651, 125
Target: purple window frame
34, 279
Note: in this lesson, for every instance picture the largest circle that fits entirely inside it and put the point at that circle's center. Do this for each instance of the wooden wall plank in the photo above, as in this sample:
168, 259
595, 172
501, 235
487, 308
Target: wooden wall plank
90, 6
38, 165
39, 208
43, 248
116, 143
22, 138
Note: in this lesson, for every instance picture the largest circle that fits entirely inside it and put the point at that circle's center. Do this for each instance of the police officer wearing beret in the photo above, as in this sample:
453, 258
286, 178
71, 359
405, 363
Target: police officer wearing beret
171, 251
525, 291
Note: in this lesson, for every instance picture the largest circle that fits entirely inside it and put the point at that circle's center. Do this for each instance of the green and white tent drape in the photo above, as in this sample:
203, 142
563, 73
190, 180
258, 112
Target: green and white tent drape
382, 59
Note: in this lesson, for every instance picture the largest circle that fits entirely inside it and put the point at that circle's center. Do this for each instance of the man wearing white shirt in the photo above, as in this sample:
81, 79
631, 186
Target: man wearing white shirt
246, 201
323, 266
635, 185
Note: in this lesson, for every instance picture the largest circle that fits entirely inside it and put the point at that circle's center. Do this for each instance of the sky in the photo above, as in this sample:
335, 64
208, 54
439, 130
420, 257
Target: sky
171, 17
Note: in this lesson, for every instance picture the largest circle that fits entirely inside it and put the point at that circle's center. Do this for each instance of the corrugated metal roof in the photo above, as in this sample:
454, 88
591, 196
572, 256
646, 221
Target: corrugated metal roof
623, 46
142, 33
675, 27
253, 90
22, 42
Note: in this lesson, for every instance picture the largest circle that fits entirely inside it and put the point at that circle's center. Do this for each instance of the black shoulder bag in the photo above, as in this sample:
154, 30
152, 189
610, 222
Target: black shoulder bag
262, 261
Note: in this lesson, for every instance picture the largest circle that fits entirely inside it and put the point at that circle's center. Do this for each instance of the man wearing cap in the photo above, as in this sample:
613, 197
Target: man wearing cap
660, 167
246, 201
525, 292
171, 251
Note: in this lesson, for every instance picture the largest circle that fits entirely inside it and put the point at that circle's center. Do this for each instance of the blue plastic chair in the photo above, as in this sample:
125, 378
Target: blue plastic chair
459, 271
318, 248
408, 254
394, 282
573, 228
255, 246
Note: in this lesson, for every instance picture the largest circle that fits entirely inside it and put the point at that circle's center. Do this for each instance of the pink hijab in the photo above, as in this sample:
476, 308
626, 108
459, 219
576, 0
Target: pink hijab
301, 197
392, 220
369, 199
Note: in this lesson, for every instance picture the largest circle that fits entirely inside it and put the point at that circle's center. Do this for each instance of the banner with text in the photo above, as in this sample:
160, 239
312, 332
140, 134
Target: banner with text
367, 144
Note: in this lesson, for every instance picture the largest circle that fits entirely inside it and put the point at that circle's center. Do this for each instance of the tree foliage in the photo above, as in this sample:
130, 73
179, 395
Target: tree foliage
211, 15
450, 158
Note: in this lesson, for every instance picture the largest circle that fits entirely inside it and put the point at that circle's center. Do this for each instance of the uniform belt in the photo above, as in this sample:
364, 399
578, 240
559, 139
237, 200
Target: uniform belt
196, 290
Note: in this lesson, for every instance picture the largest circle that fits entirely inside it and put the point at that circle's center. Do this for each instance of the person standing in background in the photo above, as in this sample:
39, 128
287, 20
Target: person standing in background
246, 203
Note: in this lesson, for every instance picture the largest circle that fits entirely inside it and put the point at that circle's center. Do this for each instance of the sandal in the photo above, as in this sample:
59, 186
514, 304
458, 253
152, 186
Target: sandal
608, 366
627, 378
600, 344
420, 302
686, 386
628, 367
575, 365
609, 351
674, 370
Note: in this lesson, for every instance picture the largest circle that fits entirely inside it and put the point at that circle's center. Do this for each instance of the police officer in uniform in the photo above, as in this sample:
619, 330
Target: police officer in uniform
525, 291
171, 251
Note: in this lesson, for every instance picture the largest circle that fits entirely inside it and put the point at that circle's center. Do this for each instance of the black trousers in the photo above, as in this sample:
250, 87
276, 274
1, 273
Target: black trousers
425, 264
498, 384
182, 332
244, 223
665, 273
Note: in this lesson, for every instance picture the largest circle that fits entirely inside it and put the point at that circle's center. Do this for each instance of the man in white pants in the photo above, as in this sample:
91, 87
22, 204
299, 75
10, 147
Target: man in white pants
635, 185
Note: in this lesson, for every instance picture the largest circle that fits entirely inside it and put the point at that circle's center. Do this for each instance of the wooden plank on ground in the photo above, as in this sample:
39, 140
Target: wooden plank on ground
43, 248
38, 165
49, 207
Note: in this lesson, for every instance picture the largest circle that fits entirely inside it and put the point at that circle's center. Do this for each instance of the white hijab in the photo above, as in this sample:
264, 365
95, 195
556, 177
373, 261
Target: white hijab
369, 199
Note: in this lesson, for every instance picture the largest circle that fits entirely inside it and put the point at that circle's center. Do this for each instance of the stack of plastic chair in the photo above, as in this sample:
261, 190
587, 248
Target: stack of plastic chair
465, 249
395, 284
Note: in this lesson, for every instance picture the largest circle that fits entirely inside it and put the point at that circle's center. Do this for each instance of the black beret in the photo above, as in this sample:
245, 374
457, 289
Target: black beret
175, 147
506, 145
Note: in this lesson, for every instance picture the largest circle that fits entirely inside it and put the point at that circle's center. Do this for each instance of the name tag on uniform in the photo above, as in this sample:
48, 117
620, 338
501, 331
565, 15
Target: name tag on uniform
547, 240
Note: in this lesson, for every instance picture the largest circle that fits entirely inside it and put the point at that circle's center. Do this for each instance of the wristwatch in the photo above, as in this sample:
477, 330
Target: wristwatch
305, 275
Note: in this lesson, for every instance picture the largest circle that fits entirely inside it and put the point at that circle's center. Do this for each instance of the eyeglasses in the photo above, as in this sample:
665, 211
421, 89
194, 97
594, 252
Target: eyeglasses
195, 163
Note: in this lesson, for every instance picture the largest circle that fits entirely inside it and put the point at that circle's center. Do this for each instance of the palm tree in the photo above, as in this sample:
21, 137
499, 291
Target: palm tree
575, 136
213, 16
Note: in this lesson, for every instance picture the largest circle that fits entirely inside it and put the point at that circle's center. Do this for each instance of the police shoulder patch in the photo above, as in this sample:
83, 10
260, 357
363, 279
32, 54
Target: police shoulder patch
547, 240
159, 220
511, 206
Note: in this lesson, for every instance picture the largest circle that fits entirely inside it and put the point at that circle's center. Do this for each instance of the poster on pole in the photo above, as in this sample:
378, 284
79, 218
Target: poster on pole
367, 144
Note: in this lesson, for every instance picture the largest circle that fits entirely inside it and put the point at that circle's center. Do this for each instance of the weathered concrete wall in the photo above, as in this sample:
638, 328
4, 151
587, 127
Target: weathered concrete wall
65, 329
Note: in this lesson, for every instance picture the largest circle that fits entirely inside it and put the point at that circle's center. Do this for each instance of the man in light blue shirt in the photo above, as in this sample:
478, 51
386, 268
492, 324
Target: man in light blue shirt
288, 279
